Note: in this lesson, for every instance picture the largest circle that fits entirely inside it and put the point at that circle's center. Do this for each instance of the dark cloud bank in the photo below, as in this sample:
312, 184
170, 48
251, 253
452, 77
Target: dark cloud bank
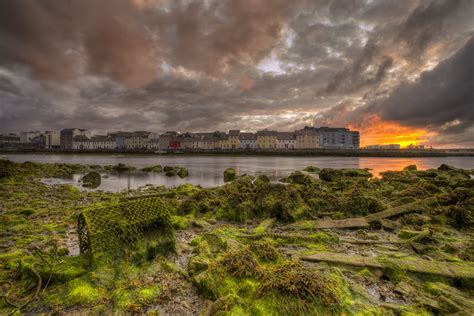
199, 65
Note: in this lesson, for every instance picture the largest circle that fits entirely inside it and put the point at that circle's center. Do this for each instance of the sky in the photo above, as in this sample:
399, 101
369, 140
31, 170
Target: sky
399, 71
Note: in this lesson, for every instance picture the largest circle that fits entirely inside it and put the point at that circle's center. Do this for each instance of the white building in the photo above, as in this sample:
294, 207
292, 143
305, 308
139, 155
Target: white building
286, 140
248, 140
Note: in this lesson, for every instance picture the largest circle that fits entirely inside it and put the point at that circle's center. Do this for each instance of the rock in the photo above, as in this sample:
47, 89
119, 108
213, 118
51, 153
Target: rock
311, 169
229, 174
410, 168
407, 234
404, 288
445, 167
156, 168
215, 242
182, 172
200, 223
330, 175
197, 264
91, 180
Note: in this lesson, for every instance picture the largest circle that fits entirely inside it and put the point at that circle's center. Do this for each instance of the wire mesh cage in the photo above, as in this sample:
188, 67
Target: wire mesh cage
106, 228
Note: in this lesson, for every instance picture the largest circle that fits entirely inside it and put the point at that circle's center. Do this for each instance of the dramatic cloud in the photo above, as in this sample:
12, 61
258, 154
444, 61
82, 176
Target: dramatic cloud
219, 64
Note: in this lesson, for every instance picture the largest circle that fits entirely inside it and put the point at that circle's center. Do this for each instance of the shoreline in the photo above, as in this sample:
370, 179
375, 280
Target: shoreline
270, 153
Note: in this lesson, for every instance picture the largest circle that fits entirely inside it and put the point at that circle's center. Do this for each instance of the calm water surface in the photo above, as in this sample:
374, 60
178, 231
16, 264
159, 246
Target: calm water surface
207, 170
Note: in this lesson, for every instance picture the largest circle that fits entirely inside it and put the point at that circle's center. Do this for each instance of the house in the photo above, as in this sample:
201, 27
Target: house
67, 135
286, 140
248, 140
233, 140
306, 139
267, 139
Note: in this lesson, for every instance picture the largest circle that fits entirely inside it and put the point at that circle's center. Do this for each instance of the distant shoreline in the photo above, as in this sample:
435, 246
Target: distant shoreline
292, 153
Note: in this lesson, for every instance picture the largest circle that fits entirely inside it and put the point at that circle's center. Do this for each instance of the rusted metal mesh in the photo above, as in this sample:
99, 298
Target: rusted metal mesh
106, 228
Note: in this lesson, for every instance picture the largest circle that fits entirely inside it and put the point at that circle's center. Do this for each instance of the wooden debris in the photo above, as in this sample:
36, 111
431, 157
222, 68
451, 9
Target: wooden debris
361, 222
449, 269
343, 223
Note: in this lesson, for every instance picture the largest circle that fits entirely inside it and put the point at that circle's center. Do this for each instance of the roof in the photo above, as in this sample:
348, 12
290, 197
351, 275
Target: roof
234, 132
286, 135
247, 136
102, 138
266, 132
80, 138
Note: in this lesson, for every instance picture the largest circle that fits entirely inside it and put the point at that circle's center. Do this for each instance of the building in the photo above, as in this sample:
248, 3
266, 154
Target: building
138, 140
233, 140
9, 141
307, 139
267, 139
67, 135
52, 139
286, 140
248, 140
336, 138
27, 137
81, 142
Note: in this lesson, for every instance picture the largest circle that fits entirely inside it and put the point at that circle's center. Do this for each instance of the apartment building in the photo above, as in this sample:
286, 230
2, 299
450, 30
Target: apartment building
307, 139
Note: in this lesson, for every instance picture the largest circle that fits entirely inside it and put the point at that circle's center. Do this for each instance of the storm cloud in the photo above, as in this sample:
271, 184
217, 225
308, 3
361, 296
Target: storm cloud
249, 64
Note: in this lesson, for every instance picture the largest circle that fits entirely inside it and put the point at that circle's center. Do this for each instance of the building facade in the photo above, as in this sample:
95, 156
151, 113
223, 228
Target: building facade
248, 140
286, 140
52, 139
67, 135
307, 139
267, 139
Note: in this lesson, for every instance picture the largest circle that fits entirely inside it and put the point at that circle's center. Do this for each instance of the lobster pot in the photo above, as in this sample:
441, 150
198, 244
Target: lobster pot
107, 228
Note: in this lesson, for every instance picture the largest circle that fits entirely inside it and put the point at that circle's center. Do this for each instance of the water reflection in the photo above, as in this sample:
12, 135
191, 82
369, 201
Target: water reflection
208, 170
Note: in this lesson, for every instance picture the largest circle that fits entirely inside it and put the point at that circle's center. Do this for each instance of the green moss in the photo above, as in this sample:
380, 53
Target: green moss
83, 293
155, 168
311, 169
182, 172
180, 222
264, 226
303, 286
410, 168
229, 174
91, 180
120, 167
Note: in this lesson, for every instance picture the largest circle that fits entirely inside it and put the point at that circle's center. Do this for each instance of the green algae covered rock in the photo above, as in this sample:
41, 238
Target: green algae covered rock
311, 169
410, 168
182, 172
91, 180
156, 168
229, 174
120, 167
330, 175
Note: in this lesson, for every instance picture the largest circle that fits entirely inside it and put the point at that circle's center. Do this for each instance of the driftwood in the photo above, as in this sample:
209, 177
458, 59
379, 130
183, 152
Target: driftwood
287, 237
448, 269
361, 222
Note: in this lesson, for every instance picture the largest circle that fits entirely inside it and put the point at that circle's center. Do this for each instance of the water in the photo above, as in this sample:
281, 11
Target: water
208, 170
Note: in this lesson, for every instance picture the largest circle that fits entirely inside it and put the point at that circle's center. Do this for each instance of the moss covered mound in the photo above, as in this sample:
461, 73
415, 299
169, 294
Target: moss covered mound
229, 174
304, 283
91, 180
120, 167
156, 168
240, 263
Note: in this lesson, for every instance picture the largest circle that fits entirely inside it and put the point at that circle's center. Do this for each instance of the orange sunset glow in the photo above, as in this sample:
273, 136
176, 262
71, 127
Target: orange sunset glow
379, 132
